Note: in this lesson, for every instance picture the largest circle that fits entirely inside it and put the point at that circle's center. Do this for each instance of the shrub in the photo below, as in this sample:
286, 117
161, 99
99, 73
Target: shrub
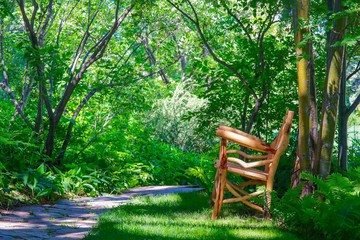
171, 121
333, 212
29, 186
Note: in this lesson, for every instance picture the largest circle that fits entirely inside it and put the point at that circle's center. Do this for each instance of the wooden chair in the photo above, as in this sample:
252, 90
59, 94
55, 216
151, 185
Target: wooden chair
258, 170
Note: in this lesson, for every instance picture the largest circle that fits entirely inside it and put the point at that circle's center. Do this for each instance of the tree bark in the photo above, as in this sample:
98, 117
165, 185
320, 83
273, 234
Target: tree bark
344, 114
335, 58
343, 120
305, 79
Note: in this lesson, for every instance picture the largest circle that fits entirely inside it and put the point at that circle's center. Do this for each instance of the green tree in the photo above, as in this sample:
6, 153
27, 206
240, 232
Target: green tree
55, 61
242, 42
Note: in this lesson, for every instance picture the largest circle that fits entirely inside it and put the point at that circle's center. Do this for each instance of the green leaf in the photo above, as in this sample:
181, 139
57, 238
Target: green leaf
25, 179
89, 186
41, 169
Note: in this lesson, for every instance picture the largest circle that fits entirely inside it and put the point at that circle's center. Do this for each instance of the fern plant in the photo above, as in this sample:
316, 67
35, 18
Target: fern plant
333, 212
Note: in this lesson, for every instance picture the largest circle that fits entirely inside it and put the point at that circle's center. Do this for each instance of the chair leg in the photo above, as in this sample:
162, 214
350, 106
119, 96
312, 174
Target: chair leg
213, 194
218, 192
267, 205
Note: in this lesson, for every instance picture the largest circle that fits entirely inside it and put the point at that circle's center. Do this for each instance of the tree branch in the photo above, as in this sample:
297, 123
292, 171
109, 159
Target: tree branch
29, 26
182, 58
212, 53
63, 21
125, 62
27, 86
163, 68
33, 15
35, 44
101, 46
242, 26
71, 125
357, 69
47, 19
87, 98
353, 106
82, 44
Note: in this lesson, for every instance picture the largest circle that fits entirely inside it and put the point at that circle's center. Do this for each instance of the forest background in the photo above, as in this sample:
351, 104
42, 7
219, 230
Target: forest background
99, 96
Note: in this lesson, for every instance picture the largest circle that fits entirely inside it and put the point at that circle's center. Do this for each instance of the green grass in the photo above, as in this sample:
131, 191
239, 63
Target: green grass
180, 216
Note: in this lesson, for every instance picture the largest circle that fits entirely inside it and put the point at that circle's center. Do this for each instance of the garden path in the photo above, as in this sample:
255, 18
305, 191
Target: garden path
69, 219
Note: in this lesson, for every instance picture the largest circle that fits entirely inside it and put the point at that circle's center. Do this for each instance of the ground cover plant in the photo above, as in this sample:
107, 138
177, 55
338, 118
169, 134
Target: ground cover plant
332, 212
181, 216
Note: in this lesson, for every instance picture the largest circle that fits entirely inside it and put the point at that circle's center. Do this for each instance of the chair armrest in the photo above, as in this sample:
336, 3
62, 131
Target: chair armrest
245, 141
247, 156
248, 165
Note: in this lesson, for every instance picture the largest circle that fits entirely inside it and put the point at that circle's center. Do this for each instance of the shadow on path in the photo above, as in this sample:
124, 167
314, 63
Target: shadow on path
70, 219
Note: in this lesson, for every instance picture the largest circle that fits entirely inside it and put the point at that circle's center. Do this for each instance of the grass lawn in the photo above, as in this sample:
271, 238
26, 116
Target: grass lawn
180, 216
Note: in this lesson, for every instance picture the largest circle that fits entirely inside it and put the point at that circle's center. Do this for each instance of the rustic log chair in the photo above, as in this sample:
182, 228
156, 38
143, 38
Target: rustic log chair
249, 170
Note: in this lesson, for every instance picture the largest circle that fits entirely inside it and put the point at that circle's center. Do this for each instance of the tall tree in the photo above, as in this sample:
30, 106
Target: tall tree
306, 90
334, 69
315, 147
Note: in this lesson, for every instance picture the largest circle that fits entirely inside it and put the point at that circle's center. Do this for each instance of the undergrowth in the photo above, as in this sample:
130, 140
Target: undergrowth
332, 212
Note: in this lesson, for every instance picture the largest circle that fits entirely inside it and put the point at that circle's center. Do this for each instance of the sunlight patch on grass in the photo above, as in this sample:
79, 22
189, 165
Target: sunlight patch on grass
179, 216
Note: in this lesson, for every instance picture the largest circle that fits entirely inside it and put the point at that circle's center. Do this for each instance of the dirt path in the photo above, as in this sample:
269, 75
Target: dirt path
69, 219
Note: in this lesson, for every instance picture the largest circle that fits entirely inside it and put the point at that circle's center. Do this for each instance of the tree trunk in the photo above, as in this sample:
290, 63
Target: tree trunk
305, 81
343, 120
71, 125
335, 59
343, 145
313, 114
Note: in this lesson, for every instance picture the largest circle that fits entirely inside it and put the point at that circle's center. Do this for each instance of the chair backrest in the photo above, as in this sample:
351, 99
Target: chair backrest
280, 143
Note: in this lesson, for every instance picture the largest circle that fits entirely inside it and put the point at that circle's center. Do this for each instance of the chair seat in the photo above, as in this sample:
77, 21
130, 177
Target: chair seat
251, 173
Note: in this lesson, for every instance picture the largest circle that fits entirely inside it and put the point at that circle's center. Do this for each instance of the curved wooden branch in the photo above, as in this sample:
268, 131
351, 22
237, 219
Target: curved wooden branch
249, 165
244, 155
234, 130
245, 141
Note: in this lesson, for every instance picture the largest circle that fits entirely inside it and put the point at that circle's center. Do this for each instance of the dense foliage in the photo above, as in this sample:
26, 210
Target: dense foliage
100, 96
333, 212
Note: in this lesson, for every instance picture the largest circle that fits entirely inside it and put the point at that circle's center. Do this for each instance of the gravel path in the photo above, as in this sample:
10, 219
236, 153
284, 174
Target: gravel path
69, 219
